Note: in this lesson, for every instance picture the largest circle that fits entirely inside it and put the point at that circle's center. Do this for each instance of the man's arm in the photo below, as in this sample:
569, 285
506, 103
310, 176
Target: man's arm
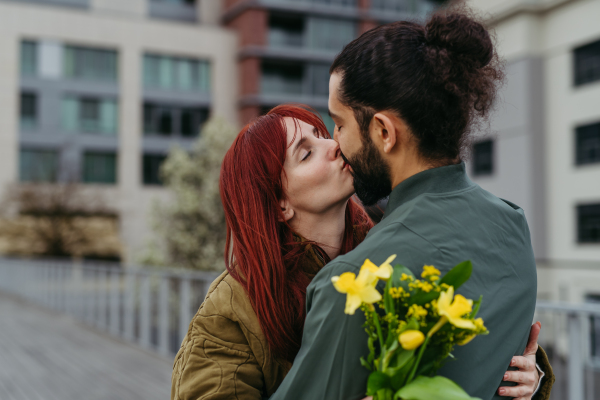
328, 364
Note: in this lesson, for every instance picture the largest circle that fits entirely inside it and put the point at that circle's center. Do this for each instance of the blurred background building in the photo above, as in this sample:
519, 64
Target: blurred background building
543, 149
97, 91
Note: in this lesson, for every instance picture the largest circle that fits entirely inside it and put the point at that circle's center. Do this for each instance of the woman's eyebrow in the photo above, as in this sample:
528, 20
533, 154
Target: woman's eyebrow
298, 144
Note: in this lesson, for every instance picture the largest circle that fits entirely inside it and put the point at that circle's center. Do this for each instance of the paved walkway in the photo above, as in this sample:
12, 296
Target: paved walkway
49, 356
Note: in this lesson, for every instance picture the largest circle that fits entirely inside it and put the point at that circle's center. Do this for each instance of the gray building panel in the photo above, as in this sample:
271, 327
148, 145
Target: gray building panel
517, 128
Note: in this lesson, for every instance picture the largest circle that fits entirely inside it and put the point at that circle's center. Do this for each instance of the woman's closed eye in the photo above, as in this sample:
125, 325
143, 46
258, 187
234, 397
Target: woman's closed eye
306, 155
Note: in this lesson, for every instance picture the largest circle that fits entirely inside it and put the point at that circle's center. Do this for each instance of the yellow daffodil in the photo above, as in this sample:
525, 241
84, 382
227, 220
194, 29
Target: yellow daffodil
411, 339
466, 340
384, 271
452, 309
359, 289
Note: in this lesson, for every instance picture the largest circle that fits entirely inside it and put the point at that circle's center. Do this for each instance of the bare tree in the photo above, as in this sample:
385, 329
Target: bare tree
58, 220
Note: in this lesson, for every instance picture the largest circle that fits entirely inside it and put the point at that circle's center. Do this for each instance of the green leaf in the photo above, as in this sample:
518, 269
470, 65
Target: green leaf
365, 364
384, 394
476, 305
377, 381
400, 375
422, 298
458, 275
436, 388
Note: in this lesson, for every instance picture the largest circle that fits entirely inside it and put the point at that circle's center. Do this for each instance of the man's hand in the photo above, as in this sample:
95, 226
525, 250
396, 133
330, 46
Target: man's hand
527, 376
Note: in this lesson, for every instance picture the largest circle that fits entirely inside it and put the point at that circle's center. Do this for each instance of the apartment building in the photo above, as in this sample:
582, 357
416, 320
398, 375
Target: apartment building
287, 46
97, 91
543, 149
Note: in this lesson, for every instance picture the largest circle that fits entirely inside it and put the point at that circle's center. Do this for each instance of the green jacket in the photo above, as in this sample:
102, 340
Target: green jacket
437, 217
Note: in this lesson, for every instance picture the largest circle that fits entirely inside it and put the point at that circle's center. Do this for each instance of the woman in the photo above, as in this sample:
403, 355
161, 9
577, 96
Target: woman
287, 195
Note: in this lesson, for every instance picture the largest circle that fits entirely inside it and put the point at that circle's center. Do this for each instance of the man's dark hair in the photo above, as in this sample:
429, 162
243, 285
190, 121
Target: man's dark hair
440, 78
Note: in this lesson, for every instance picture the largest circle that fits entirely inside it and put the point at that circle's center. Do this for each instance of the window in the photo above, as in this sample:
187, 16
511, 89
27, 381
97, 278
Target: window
90, 115
588, 223
90, 64
99, 167
37, 165
28, 58
286, 31
587, 145
151, 168
330, 34
329, 124
587, 63
171, 73
282, 78
28, 111
483, 158
166, 120
319, 79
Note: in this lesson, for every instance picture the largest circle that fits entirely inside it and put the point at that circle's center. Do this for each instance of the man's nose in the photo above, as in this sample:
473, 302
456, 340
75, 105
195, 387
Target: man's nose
334, 150
335, 134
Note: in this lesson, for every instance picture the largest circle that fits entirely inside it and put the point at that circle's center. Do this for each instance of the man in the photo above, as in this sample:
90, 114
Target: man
403, 97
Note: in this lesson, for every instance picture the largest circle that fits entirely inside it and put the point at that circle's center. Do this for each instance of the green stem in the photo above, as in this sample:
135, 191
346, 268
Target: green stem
414, 369
379, 334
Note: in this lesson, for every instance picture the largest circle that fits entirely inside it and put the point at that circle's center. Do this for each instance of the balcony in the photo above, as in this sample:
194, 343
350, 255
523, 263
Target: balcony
177, 10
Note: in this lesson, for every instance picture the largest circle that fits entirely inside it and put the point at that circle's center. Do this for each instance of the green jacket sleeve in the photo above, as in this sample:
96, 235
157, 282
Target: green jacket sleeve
332, 345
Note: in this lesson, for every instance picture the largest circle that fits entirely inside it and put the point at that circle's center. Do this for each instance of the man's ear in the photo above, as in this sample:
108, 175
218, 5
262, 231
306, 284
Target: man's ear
286, 210
384, 131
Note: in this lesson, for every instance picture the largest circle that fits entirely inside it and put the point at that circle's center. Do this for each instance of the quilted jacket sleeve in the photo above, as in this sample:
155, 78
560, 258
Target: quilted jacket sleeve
215, 360
545, 388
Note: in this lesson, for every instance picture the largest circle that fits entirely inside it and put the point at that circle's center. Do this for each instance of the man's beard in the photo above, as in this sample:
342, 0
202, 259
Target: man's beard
372, 180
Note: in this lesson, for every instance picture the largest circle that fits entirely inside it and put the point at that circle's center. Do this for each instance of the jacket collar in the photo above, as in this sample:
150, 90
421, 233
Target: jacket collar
445, 179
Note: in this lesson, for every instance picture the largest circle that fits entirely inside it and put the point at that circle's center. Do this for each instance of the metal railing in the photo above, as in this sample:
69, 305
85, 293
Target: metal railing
152, 308
572, 344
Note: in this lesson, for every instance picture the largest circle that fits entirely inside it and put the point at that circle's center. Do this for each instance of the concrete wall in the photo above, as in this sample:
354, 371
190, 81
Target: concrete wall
535, 132
131, 37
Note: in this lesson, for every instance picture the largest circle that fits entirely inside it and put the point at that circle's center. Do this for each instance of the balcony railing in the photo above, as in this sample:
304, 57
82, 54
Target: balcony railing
153, 308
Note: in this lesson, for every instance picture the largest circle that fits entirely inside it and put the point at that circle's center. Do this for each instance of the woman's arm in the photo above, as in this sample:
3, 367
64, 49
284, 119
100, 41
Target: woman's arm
206, 368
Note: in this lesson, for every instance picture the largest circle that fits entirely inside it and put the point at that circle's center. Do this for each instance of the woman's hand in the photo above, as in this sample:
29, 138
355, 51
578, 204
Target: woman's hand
527, 376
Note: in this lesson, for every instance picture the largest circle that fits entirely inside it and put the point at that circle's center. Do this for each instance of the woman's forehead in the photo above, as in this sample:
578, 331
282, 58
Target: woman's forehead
296, 129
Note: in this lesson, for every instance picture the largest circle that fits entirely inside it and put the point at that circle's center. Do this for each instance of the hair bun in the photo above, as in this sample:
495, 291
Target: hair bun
460, 35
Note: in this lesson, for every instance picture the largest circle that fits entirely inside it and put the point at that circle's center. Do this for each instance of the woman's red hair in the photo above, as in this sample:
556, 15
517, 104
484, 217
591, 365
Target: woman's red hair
261, 253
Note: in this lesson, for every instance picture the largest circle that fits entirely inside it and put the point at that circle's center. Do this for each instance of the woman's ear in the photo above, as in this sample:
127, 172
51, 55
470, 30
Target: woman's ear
286, 210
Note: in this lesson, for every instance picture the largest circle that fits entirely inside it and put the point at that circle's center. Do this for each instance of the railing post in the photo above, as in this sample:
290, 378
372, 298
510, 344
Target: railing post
129, 304
144, 338
184, 306
576, 358
163, 315
115, 294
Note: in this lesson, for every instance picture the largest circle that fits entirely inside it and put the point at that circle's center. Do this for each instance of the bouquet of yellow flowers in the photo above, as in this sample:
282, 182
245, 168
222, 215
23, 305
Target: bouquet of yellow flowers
412, 328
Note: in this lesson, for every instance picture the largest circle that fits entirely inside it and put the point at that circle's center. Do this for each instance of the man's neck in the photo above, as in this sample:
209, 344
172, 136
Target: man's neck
402, 168
326, 229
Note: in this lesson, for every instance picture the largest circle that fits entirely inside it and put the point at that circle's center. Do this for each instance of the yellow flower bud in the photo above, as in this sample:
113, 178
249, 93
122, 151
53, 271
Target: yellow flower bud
411, 339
